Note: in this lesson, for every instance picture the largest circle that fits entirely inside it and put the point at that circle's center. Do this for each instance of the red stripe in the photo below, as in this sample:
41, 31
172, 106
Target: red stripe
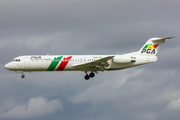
155, 45
64, 63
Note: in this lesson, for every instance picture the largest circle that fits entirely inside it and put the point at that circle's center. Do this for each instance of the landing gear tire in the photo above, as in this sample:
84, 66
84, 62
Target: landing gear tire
22, 76
86, 77
91, 75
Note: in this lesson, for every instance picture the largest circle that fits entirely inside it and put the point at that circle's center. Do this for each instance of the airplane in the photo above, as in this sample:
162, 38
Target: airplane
87, 63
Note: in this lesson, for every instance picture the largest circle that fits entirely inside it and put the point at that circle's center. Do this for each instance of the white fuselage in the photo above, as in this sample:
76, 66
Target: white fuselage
66, 62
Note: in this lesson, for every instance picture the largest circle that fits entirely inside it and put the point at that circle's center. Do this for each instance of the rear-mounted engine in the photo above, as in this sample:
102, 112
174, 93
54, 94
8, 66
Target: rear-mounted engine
124, 59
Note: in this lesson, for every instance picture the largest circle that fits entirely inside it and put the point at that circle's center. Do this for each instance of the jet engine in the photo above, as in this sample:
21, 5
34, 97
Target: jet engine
124, 59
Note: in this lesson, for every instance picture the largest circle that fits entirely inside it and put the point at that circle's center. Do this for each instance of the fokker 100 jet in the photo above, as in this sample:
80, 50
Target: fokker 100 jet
87, 63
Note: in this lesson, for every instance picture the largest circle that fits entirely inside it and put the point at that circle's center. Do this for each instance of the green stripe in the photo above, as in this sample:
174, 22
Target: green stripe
54, 63
145, 47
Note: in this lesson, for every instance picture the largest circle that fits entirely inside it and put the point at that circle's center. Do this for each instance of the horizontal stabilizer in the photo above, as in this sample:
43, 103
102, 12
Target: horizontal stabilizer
162, 39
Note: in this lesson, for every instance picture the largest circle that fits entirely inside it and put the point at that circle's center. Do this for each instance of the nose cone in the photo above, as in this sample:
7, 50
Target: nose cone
8, 66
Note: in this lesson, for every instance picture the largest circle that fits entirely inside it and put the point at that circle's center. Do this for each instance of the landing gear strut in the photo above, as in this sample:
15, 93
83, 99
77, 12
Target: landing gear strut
91, 75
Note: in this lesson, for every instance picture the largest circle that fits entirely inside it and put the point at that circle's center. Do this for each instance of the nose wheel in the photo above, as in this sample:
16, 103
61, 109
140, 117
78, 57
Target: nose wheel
22, 76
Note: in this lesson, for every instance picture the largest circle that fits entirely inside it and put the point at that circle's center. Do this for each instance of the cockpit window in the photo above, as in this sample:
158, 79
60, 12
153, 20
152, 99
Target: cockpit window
16, 60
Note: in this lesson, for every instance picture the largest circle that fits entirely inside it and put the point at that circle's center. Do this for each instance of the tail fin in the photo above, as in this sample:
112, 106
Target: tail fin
152, 46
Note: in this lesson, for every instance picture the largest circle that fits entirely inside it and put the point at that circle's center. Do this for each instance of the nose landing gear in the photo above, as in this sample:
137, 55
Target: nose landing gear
22, 76
22, 72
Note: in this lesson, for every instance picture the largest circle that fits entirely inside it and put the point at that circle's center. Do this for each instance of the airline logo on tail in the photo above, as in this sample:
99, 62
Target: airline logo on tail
149, 49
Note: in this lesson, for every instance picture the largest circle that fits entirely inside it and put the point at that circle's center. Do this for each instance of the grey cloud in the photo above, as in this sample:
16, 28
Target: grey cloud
95, 92
36, 107
174, 105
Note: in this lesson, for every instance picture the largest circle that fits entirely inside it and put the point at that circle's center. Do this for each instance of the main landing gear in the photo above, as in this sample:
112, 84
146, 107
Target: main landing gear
91, 75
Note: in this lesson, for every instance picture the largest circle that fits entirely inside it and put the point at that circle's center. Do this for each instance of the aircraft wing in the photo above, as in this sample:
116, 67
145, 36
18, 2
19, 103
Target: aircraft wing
99, 64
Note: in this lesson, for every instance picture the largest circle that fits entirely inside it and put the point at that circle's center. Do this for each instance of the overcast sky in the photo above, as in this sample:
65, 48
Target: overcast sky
40, 27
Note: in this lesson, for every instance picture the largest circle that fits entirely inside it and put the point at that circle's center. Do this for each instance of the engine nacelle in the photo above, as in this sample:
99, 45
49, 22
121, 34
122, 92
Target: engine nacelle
124, 59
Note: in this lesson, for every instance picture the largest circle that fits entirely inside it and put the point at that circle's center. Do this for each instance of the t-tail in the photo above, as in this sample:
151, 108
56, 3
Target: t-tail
151, 47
